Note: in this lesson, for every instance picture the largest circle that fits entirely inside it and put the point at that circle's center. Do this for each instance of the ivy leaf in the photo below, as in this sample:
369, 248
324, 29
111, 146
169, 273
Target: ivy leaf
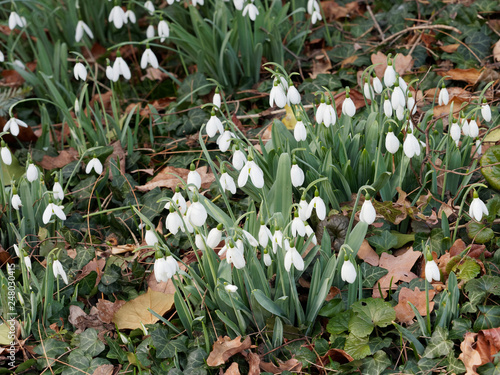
196, 363
460, 328
376, 365
166, 348
339, 323
357, 347
455, 366
375, 312
383, 242
440, 345
90, 343
479, 232
195, 118
479, 43
489, 318
468, 270
371, 274
51, 349
478, 289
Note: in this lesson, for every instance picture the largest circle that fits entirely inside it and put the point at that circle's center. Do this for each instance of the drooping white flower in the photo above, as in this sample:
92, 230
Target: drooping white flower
300, 132
277, 239
196, 213
465, 126
348, 107
111, 74
473, 128
235, 254
178, 200
277, 95
400, 113
227, 183
163, 30
320, 111
217, 100
80, 72
253, 170
214, 236
267, 258
94, 164
455, 132
292, 256
199, 241
224, 140
397, 98
13, 125
27, 262
477, 208
389, 75
58, 270
130, 16
486, 111
148, 57
309, 232
377, 85
82, 27
312, 6
239, 159
32, 172
187, 224
392, 142
444, 97
52, 209
368, 213
317, 204
173, 222
230, 288
150, 237
16, 20
411, 146
57, 191
297, 175
2, 57
432, 271
315, 17
387, 107
117, 16
238, 4
16, 249
298, 226
120, 67
195, 2
16, 202
251, 239
479, 148
6, 155
252, 11
264, 235
150, 32
348, 272
403, 85
292, 96
149, 7
367, 90
329, 115
165, 268
410, 103
214, 125
193, 178
303, 207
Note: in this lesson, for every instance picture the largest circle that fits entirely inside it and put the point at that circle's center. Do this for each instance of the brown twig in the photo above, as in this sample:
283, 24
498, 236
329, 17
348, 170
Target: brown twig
422, 27
377, 26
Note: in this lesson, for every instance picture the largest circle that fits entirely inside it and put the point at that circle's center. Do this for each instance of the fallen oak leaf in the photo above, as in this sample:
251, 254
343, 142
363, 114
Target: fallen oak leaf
404, 312
107, 309
291, 365
104, 370
233, 369
56, 162
468, 75
367, 254
470, 356
254, 364
167, 177
224, 348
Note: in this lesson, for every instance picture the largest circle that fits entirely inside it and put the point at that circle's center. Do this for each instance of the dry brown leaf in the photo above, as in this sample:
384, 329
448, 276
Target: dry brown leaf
233, 369
350, 60
135, 311
450, 48
457, 247
12, 78
367, 254
107, 309
468, 75
93, 265
4, 256
154, 75
120, 249
402, 63
404, 312
444, 110
64, 158
224, 348
488, 343
104, 370
496, 51
399, 270
321, 64
81, 320
470, 356
254, 364
335, 355
334, 11
291, 365
165, 178
117, 157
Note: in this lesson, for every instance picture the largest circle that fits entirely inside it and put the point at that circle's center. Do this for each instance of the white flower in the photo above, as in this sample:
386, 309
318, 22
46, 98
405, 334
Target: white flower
391, 142
6, 155
477, 208
368, 91
57, 191
150, 7
238, 4
235, 254
2, 57
199, 241
473, 128
312, 6
292, 256
478, 147
397, 98
239, 159
486, 111
348, 107
165, 268
32, 172
117, 16
187, 224
292, 96
111, 74
455, 132
298, 227
230, 288
277, 95
377, 85
148, 57
318, 204
80, 72
432, 271
16, 20
251, 239
130, 16
224, 140
214, 125
179, 201
173, 222
94, 164
194, 178
297, 175
80, 28
465, 126
277, 239
227, 183
197, 214
163, 30
253, 170
389, 75
52, 209
214, 237
400, 113
402, 84
264, 235
348, 272
368, 213
267, 258
150, 237
27, 262
121, 68
329, 115
320, 112
216, 100
58, 270
13, 125
201, 2
16, 202
303, 207
16, 249
300, 132
252, 11
309, 232
411, 146
150, 32
444, 97
410, 103
315, 17
387, 107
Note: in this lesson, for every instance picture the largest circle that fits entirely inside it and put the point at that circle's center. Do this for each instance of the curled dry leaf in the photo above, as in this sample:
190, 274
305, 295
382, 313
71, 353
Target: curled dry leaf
334, 11
367, 254
470, 356
496, 51
335, 355
104, 370
224, 348
166, 178
290, 365
254, 364
468, 75
107, 309
81, 320
64, 158
321, 64
404, 312
233, 369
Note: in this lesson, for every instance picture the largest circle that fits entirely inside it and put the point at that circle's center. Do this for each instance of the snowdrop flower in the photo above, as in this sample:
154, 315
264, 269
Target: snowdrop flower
391, 142
16, 249
117, 16
300, 132
13, 125
292, 256
16, 20
173, 222
80, 28
80, 72
201, 2
465, 125
230, 288
431, 269
253, 170
298, 226
309, 232
148, 57
486, 111
27, 261
165, 268
251, 239
121, 68
238, 4
149, 7
110, 72
224, 140
477, 208
320, 111
196, 213
292, 96
264, 235
315, 17
455, 131
348, 272
58, 270
411, 146
397, 98
348, 107
479, 149
16, 200
234, 254
6, 155
2, 57
317, 204
367, 214
32, 172
252, 11
239, 159
444, 97
389, 74
329, 115
163, 30
277, 239
387, 106
94, 164
19, 64
267, 258
312, 6
402, 84
227, 183
52, 209
214, 236
193, 178
297, 175
57, 190
303, 207
277, 95
400, 113
367, 90
150, 32
410, 103
377, 85
216, 100
473, 128
214, 125
199, 241
178, 200
130, 16
150, 237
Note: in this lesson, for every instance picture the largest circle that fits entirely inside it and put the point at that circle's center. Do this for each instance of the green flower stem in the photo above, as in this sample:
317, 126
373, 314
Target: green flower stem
461, 209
